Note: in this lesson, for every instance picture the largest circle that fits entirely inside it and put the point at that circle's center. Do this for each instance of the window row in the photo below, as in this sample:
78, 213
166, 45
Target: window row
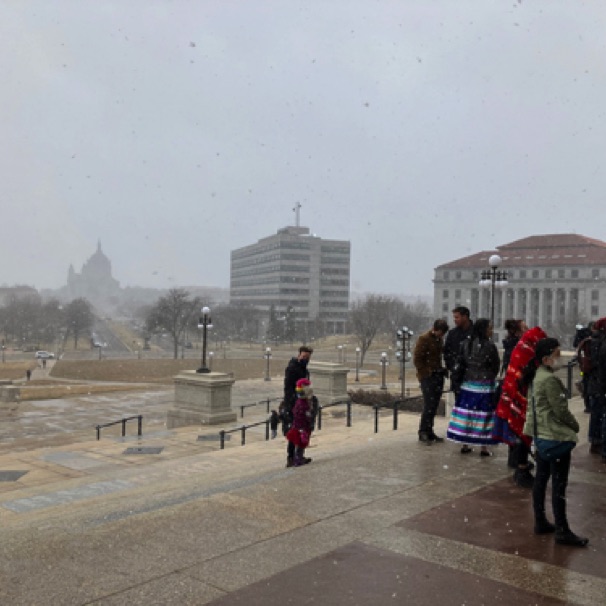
561, 273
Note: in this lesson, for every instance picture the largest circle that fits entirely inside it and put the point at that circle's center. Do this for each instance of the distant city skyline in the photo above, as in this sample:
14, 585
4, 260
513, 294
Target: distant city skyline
178, 131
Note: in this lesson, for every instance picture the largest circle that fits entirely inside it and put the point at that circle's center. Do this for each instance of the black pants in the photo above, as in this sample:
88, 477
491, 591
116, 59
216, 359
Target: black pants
519, 453
432, 389
558, 471
286, 425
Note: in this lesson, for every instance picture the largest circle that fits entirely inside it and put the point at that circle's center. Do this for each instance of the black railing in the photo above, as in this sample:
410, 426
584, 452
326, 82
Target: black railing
243, 429
123, 421
569, 366
394, 406
339, 403
266, 401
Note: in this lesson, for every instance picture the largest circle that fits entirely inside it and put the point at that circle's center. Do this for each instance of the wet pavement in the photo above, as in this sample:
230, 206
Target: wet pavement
375, 519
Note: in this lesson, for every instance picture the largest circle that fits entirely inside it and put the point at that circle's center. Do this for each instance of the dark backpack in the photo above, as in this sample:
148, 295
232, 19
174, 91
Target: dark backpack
584, 354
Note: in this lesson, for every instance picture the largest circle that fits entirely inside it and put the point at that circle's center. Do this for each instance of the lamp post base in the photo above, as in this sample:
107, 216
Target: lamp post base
202, 369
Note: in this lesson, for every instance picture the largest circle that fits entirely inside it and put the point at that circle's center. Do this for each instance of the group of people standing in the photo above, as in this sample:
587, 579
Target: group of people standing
488, 411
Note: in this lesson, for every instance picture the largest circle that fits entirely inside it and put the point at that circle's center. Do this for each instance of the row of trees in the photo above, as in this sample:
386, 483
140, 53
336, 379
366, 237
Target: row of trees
29, 322
177, 313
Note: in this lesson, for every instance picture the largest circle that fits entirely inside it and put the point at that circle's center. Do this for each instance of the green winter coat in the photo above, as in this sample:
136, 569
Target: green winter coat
554, 419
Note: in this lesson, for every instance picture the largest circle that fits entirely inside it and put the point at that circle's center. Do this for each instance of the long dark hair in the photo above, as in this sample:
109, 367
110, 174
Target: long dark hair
480, 329
513, 327
545, 347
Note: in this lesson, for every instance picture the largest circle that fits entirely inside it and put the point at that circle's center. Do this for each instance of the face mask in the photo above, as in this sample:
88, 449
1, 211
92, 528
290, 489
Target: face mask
555, 363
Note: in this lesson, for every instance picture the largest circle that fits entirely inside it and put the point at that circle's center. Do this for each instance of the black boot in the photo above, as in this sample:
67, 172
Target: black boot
565, 536
523, 478
543, 526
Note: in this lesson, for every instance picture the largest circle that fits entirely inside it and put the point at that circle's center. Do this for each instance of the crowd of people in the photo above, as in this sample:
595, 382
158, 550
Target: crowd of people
516, 400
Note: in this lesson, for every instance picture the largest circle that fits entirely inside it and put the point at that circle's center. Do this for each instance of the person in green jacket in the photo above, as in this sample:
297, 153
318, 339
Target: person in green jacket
554, 421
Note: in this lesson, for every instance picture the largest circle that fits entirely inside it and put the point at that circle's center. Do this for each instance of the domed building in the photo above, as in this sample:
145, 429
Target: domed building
95, 282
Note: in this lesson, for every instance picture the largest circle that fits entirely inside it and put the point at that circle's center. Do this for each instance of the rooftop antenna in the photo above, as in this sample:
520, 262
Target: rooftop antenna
297, 210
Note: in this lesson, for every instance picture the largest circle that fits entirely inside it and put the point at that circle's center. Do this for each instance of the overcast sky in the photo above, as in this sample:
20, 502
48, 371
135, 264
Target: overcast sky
175, 131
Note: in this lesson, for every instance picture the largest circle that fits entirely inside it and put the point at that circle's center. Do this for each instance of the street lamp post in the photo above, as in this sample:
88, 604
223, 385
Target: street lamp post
340, 350
383, 370
211, 355
403, 337
267, 356
205, 323
493, 278
357, 364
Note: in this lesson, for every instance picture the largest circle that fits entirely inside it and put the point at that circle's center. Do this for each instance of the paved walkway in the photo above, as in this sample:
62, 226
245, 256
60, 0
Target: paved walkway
375, 519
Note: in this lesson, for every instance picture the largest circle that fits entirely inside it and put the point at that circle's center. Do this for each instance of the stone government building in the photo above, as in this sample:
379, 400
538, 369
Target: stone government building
554, 281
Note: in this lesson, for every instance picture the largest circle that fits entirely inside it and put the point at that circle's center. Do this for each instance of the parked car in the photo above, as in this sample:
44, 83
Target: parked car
44, 355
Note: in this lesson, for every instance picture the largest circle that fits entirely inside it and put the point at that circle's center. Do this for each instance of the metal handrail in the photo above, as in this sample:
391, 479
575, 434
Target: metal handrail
243, 429
569, 366
338, 403
266, 401
123, 421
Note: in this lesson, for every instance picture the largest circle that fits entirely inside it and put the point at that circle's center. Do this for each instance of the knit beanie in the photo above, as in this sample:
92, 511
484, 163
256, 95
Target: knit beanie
303, 388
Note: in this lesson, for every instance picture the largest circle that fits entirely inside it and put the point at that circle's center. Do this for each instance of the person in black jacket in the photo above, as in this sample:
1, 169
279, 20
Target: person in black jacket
455, 337
296, 370
472, 417
596, 389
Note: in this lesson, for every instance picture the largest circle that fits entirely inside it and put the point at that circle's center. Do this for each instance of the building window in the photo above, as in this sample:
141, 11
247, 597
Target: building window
535, 273
548, 273
595, 273
522, 273
458, 275
458, 294
445, 307
574, 273
476, 275
595, 295
561, 273
594, 311
446, 275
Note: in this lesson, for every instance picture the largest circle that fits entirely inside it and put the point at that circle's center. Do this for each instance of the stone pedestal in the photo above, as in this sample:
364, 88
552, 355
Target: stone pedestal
201, 399
329, 381
8, 392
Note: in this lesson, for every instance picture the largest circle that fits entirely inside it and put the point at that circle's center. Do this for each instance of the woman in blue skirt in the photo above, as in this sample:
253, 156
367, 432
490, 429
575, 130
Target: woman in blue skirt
472, 417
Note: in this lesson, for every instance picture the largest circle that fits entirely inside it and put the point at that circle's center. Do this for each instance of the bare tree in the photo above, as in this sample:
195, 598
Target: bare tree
78, 319
172, 314
367, 318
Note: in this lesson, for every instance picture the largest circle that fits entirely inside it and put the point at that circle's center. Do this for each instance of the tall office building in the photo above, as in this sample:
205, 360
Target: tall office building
553, 280
297, 271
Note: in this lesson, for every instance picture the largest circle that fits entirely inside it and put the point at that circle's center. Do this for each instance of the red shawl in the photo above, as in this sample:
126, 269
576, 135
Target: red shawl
513, 402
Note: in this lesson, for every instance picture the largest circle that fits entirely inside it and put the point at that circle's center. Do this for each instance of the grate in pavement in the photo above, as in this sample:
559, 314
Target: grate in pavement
212, 438
144, 450
11, 476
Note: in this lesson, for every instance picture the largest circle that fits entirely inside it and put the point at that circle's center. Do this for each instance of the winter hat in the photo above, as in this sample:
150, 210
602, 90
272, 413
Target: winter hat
303, 388
545, 347
600, 325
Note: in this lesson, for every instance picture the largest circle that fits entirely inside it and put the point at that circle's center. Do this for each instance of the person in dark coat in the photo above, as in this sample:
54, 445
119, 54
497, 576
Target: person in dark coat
515, 329
454, 338
295, 371
472, 417
596, 389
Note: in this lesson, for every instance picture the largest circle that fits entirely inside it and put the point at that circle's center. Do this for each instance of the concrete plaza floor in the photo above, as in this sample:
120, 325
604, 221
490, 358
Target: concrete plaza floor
375, 519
